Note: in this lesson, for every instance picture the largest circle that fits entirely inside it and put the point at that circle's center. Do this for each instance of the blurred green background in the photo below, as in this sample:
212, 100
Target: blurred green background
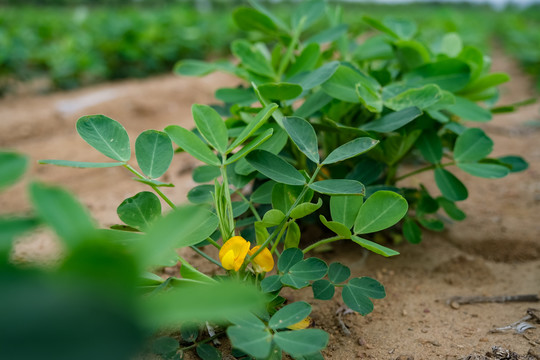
70, 43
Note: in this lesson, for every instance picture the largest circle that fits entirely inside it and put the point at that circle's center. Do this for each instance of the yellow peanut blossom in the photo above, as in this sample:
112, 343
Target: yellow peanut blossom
302, 324
264, 261
233, 253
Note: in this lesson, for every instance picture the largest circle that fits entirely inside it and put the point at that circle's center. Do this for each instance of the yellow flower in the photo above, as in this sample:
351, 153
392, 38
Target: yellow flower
264, 261
233, 253
302, 324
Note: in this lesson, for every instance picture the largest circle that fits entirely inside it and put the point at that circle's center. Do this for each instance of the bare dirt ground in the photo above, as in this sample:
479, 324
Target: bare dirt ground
495, 251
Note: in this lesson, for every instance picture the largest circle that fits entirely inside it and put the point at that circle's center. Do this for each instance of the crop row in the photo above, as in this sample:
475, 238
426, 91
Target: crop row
71, 47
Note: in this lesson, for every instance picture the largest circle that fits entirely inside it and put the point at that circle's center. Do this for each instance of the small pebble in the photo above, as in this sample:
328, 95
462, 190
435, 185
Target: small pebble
483, 340
361, 342
404, 312
391, 351
427, 311
405, 357
424, 330
454, 305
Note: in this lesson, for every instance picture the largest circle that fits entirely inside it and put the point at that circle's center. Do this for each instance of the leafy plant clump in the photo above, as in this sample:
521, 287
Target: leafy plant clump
323, 128
421, 102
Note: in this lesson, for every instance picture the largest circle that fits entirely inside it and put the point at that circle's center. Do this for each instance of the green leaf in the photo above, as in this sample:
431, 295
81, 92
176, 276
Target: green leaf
292, 238
211, 126
140, 210
255, 123
328, 35
431, 224
472, 145
338, 273
306, 13
369, 96
451, 45
184, 226
468, 110
309, 269
449, 74
239, 208
367, 171
293, 281
62, 212
352, 148
12, 168
357, 293
430, 145
205, 173
165, 345
189, 332
194, 68
516, 163
289, 315
313, 103
421, 98
208, 352
201, 194
451, 209
284, 196
252, 145
303, 135
189, 272
275, 168
256, 343
316, 77
188, 300
105, 135
380, 26
263, 194
411, 231
396, 146
393, 120
451, 187
411, 54
380, 211
288, 258
301, 342
338, 187
323, 289
273, 217
374, 247
154, 153
306, 61
252, 58
342, 84
344, 208
484, 170
240, 96
336, 227
280, 91
249, 19
304, 209
80, 164
487, 81
271, 283
192, 144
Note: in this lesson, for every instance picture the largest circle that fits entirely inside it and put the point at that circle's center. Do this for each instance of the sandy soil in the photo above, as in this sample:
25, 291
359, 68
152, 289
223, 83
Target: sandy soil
495, 251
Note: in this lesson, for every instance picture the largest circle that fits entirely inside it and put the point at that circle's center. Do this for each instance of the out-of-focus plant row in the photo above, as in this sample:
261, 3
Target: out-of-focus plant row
77, 46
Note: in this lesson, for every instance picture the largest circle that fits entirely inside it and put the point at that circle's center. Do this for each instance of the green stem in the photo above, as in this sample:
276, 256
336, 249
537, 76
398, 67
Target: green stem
287, 57
155, 188
426, 168
203, 341
171, 204
229, 226
251, 207
211, 241
200, 252
280, 226
322, 242
280, 235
